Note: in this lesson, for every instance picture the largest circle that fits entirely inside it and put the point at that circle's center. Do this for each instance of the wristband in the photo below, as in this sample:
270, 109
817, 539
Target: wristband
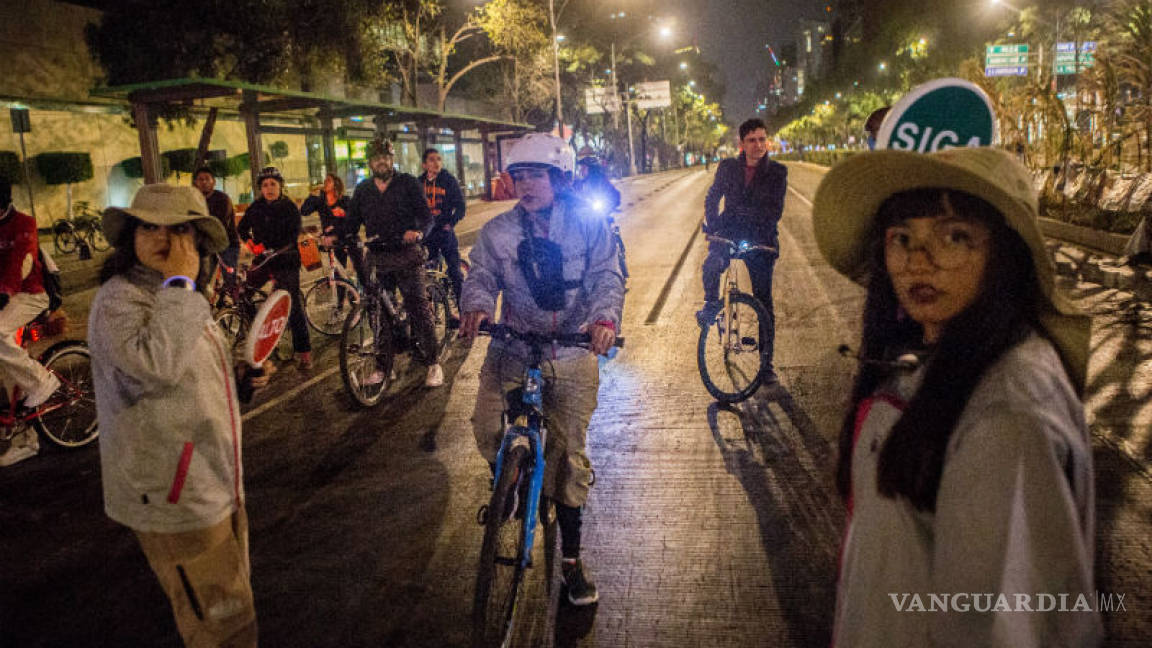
608, 324
180, 281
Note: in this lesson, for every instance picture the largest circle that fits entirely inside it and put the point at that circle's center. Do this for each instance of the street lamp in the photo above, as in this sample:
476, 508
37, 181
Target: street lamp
683, 65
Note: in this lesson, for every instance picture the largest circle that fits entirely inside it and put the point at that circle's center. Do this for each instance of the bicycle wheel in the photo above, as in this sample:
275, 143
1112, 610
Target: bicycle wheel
73, 424
96, 238
732, 362
501, 571
366, 354
234, 325
441, 306
327, 304
65, 241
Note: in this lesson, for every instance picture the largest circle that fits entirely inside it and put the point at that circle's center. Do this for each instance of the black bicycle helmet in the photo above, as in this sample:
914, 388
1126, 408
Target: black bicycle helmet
270, 172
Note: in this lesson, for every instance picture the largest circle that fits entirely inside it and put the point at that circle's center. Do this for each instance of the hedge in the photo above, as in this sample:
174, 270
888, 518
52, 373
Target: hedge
133, 167
181, 160
64, 167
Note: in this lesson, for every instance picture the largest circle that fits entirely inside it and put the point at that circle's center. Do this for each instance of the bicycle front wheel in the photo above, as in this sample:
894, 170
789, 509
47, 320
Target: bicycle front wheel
96, 238
73, 423
366, 354
441, 305
731, 353
233, 324
501, 570
327, 304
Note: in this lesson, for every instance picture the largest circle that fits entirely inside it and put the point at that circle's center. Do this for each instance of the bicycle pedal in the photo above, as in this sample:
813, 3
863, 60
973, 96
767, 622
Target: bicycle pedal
482, 515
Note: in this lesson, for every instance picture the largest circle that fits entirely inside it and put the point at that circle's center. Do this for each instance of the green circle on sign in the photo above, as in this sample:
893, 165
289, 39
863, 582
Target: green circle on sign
941, 114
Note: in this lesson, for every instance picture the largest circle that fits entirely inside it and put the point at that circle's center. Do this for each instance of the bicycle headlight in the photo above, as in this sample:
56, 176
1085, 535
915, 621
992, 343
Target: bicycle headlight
743, 245
531, 385
598, 204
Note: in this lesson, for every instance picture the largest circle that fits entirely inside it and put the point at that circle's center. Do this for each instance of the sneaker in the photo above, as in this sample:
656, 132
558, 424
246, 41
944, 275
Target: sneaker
581, 591
37, 397
22, 446
304, 360
435, 376
706, 315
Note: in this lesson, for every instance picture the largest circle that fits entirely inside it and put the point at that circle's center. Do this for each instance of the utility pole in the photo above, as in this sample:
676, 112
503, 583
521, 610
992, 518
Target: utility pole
631, 148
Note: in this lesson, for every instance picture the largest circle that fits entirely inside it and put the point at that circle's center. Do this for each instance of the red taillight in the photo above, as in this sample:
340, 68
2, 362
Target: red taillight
35, 333
19, 336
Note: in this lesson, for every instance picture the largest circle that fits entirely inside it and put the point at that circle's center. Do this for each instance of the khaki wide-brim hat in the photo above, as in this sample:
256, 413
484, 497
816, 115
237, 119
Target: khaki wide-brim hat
163, 204
850, 194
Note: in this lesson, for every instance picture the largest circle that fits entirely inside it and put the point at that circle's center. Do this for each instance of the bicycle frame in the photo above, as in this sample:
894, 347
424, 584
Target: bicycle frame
527, 426
32, 332
730, 282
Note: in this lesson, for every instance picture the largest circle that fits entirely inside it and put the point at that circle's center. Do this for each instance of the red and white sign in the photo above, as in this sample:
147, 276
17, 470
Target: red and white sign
267, 327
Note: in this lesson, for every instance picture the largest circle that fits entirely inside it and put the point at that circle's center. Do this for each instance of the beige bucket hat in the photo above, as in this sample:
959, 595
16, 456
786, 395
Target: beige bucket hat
850, 194
164, 204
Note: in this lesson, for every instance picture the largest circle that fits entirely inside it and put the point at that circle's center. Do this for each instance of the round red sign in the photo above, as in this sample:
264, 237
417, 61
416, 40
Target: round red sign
267, 327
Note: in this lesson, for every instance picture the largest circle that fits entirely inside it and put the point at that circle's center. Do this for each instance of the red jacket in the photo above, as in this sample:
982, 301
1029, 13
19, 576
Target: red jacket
18, 240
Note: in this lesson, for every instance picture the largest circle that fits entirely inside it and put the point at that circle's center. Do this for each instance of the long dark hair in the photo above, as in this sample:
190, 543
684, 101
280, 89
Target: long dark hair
123, 257
1004, 313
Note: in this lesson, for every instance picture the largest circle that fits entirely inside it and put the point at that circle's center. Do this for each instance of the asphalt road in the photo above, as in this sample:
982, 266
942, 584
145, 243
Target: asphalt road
707, 526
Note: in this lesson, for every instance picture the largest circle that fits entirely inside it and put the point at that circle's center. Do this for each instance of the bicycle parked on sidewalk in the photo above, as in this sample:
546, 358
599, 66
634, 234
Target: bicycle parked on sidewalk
68, 417
378, 330
82, 225
509, 518
730, 354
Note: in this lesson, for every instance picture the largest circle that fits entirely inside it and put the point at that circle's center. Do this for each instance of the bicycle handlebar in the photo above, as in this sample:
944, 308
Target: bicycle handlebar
503, 332
741, 246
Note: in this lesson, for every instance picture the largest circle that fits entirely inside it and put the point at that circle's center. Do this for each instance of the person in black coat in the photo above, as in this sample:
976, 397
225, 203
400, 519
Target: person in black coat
273, 221
446, 202
752, 186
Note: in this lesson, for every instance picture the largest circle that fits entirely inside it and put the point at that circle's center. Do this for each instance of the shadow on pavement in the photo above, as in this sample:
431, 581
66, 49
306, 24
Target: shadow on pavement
771, 445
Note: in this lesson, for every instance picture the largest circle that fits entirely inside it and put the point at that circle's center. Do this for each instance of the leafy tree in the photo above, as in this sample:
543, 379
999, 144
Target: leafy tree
66, 168
516, 29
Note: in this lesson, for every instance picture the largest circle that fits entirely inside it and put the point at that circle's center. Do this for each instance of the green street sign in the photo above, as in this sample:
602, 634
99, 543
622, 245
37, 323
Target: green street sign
1008, 49
1001, 59
939, 115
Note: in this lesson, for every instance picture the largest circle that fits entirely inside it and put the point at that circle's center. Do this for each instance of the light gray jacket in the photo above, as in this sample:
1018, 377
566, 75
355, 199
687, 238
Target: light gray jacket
167, 407
1014, 516
589, 256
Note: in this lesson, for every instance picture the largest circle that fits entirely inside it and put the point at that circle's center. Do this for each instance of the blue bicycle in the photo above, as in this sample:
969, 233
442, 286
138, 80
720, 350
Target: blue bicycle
510, 517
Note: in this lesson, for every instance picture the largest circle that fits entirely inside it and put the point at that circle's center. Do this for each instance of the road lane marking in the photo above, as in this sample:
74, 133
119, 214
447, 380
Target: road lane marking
264, 407
654, 314
800, 196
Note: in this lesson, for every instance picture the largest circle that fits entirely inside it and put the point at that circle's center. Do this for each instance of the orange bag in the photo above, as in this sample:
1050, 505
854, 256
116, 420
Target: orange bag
309, 254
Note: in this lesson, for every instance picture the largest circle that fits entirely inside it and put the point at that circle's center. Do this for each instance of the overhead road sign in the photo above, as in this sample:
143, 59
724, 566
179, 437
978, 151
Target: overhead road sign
653, 94
599, 100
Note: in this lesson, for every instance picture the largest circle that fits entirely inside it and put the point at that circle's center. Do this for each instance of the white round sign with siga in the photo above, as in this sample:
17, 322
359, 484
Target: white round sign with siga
939, 115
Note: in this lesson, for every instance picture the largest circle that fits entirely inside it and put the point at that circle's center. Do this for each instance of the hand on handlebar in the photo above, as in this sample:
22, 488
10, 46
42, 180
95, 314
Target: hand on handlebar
600, 338
413, 236
470, 323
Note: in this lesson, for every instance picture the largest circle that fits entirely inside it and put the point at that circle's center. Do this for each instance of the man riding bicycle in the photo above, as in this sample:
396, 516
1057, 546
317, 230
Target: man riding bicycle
395, 216
22, 298
753, 187
593, 184
556, 266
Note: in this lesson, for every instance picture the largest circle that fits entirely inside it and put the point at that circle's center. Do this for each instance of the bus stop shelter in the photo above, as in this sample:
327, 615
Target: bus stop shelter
317, 114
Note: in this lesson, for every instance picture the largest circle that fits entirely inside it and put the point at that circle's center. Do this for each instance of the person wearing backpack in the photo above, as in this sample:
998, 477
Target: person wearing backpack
22, 299
557, 268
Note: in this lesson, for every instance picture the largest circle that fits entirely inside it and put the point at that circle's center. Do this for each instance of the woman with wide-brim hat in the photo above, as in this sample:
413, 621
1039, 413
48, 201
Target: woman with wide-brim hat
968, 471
170, 444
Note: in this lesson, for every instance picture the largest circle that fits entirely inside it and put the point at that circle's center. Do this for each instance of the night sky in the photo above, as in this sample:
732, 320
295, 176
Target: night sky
732, 34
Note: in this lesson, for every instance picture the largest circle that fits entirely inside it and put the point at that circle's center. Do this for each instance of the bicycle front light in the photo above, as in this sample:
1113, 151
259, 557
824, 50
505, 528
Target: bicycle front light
531, 385
598, 205
743, 245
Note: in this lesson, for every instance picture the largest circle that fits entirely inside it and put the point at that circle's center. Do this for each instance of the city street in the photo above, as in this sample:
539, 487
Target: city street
707, 525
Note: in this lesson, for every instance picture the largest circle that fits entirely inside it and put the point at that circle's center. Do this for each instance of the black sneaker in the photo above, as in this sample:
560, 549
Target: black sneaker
581, 591
706, 315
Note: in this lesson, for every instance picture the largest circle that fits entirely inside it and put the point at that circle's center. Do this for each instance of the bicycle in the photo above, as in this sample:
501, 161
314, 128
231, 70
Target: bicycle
732, 362
68, 417
236, 319
82, 225
517, 484
328, 299
436, 271
377, 330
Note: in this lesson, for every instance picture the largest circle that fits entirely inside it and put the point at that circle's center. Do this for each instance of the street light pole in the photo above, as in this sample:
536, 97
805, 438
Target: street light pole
615, 116
631, 147
556, 65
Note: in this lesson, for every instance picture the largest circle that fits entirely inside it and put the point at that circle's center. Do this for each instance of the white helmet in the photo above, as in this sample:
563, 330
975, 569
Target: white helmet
541, 150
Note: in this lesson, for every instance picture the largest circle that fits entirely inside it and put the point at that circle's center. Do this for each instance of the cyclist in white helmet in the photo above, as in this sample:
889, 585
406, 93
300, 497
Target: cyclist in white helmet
584, 293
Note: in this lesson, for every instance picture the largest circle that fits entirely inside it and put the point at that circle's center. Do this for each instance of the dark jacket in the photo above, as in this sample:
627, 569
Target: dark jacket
220, 206
750, 213
445, 200
330, 223
273, 224
386, 216
597, 186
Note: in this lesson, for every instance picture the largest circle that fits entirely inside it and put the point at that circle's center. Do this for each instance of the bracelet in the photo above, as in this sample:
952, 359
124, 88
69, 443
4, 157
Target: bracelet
180, 281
